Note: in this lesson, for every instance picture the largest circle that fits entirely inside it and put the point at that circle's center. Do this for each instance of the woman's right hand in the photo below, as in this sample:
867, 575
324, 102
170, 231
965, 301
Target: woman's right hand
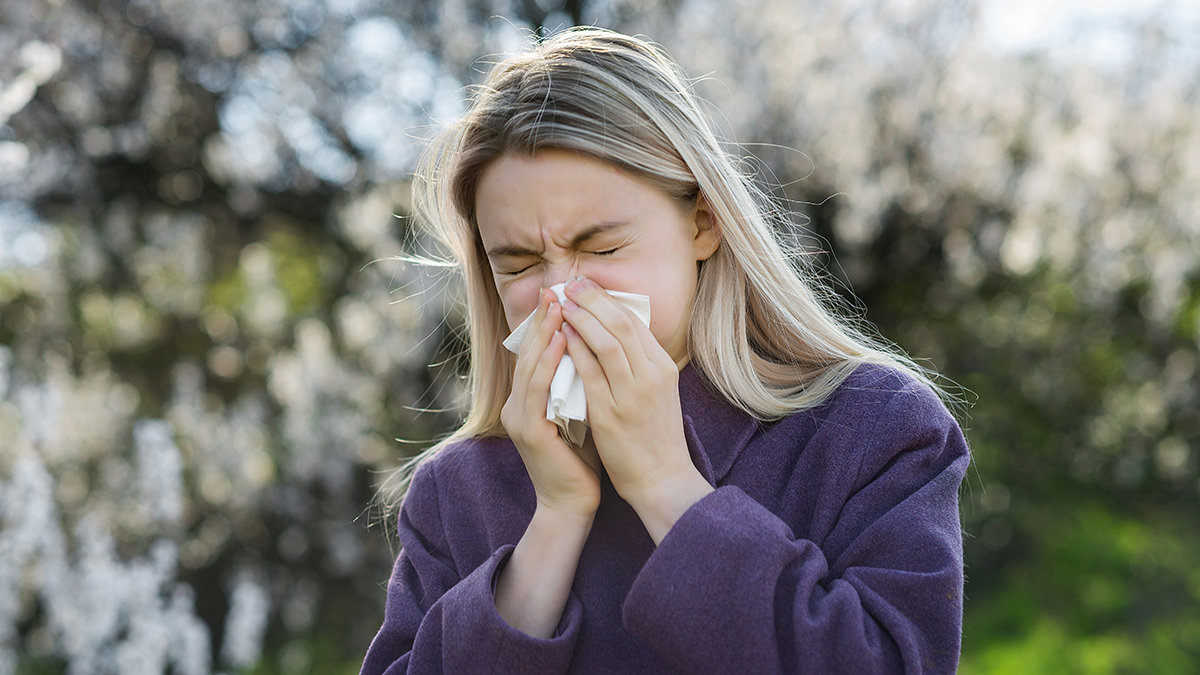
564, 478
533, 587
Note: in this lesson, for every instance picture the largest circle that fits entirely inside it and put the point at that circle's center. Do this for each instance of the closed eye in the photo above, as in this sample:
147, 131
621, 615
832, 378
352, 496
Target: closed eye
516, 272
607, 252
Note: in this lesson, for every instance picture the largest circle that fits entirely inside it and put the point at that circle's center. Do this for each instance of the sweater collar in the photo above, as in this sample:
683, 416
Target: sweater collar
716, 430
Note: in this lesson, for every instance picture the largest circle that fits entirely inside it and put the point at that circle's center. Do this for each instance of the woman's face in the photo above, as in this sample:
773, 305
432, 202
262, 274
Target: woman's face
560, 215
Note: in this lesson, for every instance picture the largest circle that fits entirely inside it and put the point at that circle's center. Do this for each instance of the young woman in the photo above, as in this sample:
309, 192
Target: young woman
762, 488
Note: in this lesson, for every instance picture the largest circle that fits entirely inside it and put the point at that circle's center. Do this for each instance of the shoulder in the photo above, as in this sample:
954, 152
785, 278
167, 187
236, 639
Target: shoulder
876, 414
896, 415
872, 382
471, 486
456, 454
874, 396
465, 464
881, 427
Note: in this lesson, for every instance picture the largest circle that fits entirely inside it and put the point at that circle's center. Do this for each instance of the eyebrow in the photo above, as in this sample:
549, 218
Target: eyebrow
516, 251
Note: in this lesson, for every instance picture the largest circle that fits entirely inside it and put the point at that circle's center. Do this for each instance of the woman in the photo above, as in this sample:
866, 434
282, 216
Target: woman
762, 488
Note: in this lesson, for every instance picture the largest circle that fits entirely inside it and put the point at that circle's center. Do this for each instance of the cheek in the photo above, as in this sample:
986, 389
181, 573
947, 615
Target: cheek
672, 299
665, 318
519, 297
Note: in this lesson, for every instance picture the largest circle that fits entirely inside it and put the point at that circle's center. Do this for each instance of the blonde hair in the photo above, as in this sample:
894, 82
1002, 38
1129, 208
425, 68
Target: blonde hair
760, 333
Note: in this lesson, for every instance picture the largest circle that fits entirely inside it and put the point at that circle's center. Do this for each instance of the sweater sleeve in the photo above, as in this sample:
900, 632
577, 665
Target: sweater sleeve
437, 621
730, 589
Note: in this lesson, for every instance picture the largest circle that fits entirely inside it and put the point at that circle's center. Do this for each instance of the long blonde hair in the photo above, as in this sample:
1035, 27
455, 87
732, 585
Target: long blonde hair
762, 332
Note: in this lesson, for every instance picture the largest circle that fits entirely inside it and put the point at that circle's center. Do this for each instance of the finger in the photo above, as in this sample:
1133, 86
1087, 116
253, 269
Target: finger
651, 352
606, 348
538, 391
526, 406
530, 343
596, 386
539, 335
611, 313
538, 367
608, 327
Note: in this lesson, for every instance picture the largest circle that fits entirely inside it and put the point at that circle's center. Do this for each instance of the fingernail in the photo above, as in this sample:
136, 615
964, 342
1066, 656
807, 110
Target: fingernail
575, 286
570, 306
569, 330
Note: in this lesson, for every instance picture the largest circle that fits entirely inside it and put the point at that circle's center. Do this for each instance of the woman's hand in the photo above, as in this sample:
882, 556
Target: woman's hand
564, 478
533, 587
632, 388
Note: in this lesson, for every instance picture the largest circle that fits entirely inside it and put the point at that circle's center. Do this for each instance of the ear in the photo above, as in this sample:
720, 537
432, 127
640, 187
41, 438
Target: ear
707, 235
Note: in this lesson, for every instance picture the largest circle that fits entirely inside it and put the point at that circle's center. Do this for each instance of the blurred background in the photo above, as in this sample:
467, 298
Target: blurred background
208, 351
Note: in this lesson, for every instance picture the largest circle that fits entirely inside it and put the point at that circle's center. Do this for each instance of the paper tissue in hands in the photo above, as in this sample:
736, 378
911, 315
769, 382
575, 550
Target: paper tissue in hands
567, 406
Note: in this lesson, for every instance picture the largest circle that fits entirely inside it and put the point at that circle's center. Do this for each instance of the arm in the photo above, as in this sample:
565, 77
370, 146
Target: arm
731, 589
439, 620
535, 584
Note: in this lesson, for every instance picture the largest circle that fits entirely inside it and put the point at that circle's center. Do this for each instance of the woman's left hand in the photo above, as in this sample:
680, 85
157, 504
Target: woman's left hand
632, 388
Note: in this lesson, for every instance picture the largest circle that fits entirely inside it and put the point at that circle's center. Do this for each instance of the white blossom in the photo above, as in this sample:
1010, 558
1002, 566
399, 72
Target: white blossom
159, 471
29, 531
40, 62
245, 624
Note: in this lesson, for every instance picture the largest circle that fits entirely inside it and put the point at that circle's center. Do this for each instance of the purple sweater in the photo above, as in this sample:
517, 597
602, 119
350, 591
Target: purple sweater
831, 545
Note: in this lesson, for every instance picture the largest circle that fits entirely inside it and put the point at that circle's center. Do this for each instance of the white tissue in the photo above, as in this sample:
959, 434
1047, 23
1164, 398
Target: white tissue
567, 406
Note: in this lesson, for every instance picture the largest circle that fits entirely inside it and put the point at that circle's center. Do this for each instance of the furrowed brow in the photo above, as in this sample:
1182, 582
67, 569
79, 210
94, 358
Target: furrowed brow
517, 251
596, 230
510, 251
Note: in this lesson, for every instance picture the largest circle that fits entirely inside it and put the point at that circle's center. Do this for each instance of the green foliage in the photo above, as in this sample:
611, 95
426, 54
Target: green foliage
1094, 592
41, 665
299, 267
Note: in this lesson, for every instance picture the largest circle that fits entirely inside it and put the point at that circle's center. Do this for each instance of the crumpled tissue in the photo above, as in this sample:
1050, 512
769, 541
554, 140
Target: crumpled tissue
567, 405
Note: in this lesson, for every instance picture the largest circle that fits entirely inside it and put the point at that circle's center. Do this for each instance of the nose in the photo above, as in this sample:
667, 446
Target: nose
559, 273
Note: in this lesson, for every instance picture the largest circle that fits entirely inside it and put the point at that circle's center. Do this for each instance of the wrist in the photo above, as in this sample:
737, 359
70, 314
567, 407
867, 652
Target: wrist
562, 522
532, 589
661, 505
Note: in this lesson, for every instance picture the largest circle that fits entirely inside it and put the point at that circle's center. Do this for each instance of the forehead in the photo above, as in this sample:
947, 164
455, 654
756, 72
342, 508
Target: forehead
555, 192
